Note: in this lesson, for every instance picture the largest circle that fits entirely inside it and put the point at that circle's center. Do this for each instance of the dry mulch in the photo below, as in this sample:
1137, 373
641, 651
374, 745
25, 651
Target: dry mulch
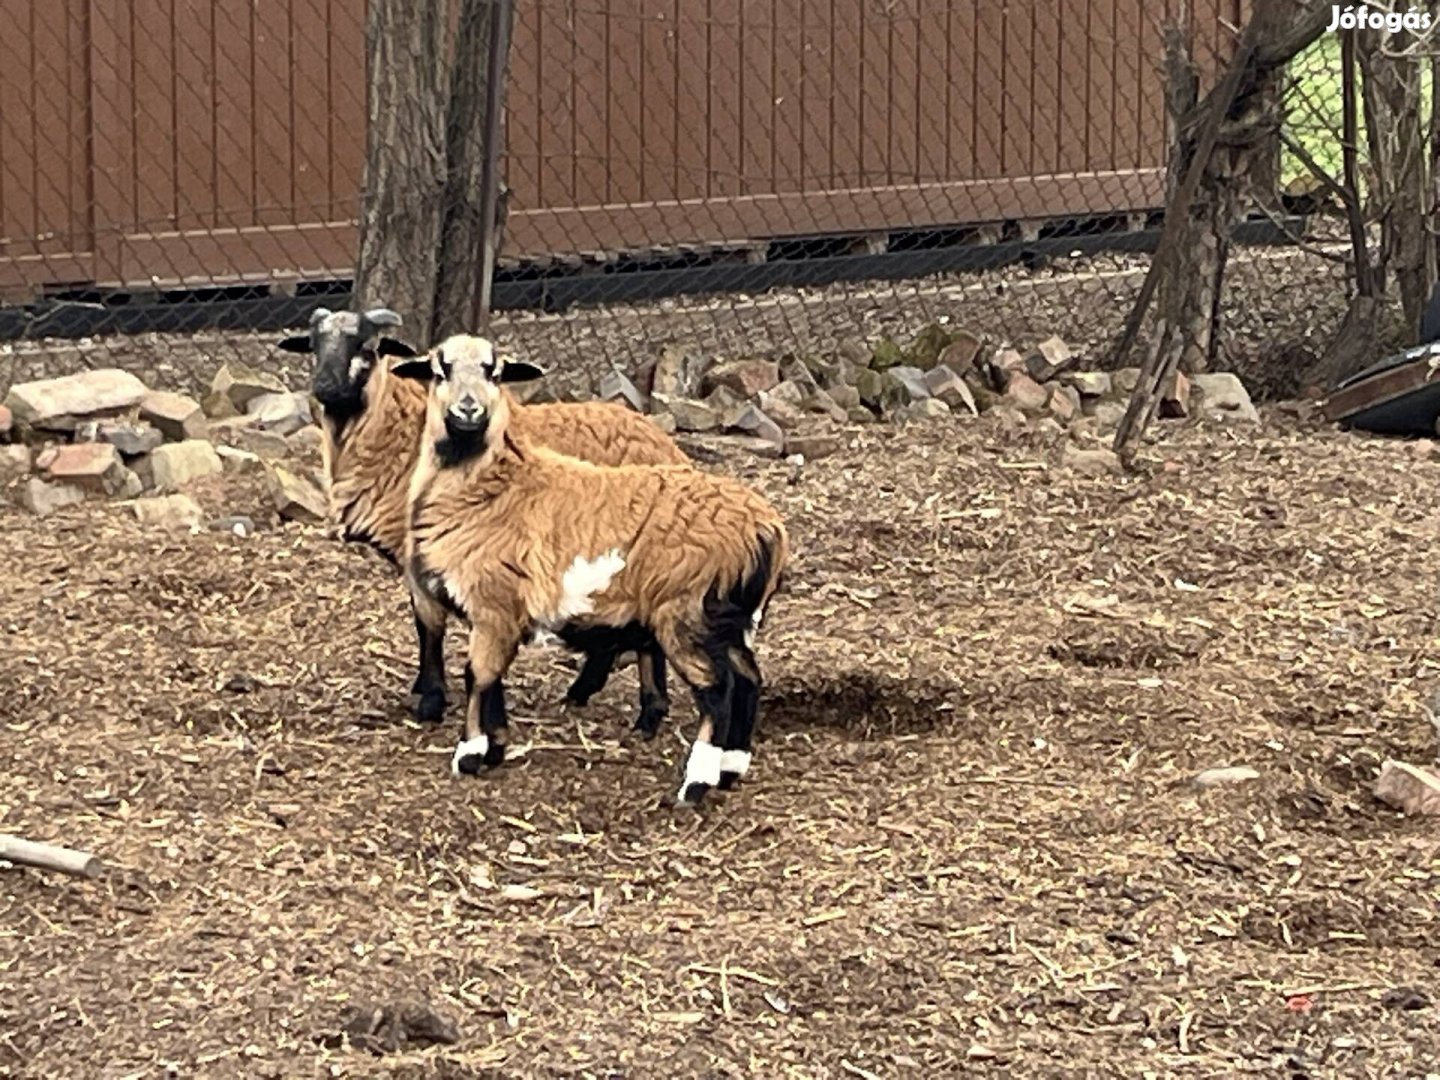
969, 839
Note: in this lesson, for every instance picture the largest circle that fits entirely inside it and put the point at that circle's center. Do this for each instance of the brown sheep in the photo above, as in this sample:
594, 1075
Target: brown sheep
518, 538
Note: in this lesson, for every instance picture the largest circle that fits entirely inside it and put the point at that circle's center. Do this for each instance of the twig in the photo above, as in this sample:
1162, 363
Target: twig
49, 857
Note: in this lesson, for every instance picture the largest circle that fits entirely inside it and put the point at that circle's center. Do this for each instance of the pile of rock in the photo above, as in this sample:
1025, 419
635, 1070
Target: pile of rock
785, 407
105, 434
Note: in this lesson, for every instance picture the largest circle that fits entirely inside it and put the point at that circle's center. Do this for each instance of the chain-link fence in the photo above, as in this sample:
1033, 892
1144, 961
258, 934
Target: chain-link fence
180, 180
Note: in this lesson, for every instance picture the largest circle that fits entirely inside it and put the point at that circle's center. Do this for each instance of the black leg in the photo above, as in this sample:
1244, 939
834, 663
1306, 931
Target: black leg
428, 690
592, 677
654, 697
716, 703
736, 759
485, 710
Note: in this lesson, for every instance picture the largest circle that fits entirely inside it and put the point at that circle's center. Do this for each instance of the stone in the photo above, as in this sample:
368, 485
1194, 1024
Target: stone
176, 416
14, 463
175, 465
925, 348
131, 440
886, 355
241, 384
237, 524
1108, 414
788, 391
781, 410
1009, 360
130, 484
1048, 358
283, 414
858, 414
1091, 462
758, 446
1049, 429
678, 373
924, 409
960, 355
93, 467
1025, 393
296, 497
168, 512
1409, 788
1007, 417
744, 377
726, 401
240, 462
903, 385
1088, 384
1125, 380
615, 386
665, 422
945, 384
1175, 397
228, 429
1224, 397
870, 385
854, 352
218, 406
754, 422
689, 415
7, 423
42, 498
268, 444
59, 404
1229, 774
813, 445
1064, 403
306, 441
847, 397
820, 401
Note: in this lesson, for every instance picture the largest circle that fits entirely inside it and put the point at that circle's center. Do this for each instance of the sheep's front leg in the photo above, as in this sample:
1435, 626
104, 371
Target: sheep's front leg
491, 651
428, 692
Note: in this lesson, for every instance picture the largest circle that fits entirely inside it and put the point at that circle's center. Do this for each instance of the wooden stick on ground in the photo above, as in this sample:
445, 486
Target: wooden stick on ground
49, 857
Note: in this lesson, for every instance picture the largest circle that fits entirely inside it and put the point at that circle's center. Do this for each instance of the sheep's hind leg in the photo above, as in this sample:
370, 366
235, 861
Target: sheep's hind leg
485, 714
654, 696
427, 694
735, 758
714, 687
592, 678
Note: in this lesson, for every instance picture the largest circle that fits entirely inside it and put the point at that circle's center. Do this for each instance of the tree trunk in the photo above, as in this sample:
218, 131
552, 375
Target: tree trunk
463, 228
1397, 141
401, 209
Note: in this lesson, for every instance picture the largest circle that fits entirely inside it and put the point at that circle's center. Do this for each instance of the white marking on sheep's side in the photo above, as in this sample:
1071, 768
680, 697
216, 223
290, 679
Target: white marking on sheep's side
478, 747
735, 761
581, 582
702, 767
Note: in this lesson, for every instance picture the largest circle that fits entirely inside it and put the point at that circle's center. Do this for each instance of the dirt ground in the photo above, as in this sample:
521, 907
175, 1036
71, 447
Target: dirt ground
969, 842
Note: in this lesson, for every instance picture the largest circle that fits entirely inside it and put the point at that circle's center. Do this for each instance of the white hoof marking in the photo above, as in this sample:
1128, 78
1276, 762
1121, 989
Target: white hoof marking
735, 761
476, 747
703, 767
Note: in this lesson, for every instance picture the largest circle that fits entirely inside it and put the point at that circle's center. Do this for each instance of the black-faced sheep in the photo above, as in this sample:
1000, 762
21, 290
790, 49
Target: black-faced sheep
518, 539
372, 425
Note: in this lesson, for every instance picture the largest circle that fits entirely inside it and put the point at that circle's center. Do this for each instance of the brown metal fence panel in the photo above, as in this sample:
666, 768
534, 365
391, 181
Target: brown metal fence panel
157, 143
44, 157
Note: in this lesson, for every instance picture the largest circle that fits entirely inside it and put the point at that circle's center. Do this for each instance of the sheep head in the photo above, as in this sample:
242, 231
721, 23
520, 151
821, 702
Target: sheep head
346, 346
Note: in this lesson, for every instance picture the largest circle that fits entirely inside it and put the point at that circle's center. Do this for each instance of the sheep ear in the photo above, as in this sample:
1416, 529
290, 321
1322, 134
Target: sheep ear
298, 343
391, 347
418, 370
519, 371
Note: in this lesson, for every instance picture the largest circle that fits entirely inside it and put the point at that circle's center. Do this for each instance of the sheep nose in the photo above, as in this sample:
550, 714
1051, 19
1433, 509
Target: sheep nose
468, 409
